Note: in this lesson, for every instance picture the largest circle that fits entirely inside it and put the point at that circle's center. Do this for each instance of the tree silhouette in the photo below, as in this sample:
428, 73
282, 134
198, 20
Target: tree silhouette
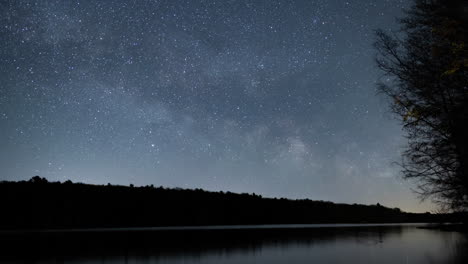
426, 77
40, 204
37, 179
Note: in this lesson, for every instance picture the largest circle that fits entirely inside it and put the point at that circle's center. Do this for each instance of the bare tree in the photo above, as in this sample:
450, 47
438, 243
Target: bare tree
425, 67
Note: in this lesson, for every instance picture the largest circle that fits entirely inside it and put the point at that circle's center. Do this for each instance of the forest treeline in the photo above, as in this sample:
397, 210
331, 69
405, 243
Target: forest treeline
38, 204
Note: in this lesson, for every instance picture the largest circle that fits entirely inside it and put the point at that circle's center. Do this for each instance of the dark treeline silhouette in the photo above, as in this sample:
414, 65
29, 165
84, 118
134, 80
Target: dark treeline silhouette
38, 204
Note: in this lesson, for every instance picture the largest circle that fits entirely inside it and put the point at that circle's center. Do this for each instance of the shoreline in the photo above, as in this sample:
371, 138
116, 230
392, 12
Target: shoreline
218, 227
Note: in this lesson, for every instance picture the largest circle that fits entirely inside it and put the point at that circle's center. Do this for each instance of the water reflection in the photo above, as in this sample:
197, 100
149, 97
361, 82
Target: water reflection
389, 244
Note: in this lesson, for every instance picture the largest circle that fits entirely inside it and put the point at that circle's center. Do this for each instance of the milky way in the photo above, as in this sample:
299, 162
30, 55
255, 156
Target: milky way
272, 97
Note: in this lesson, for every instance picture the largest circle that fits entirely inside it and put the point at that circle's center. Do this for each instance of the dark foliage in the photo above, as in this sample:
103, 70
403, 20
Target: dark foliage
426, 67
39, 204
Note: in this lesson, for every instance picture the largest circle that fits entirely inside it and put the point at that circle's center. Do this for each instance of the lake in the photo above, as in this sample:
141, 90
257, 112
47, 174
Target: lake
342, 243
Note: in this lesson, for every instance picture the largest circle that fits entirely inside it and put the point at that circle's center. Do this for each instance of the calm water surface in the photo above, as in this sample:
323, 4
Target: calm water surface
253, 244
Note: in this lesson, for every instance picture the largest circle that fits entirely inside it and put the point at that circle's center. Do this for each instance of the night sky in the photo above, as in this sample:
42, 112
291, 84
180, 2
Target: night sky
272, 97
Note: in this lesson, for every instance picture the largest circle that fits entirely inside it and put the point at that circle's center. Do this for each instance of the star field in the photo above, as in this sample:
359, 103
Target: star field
272, 97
